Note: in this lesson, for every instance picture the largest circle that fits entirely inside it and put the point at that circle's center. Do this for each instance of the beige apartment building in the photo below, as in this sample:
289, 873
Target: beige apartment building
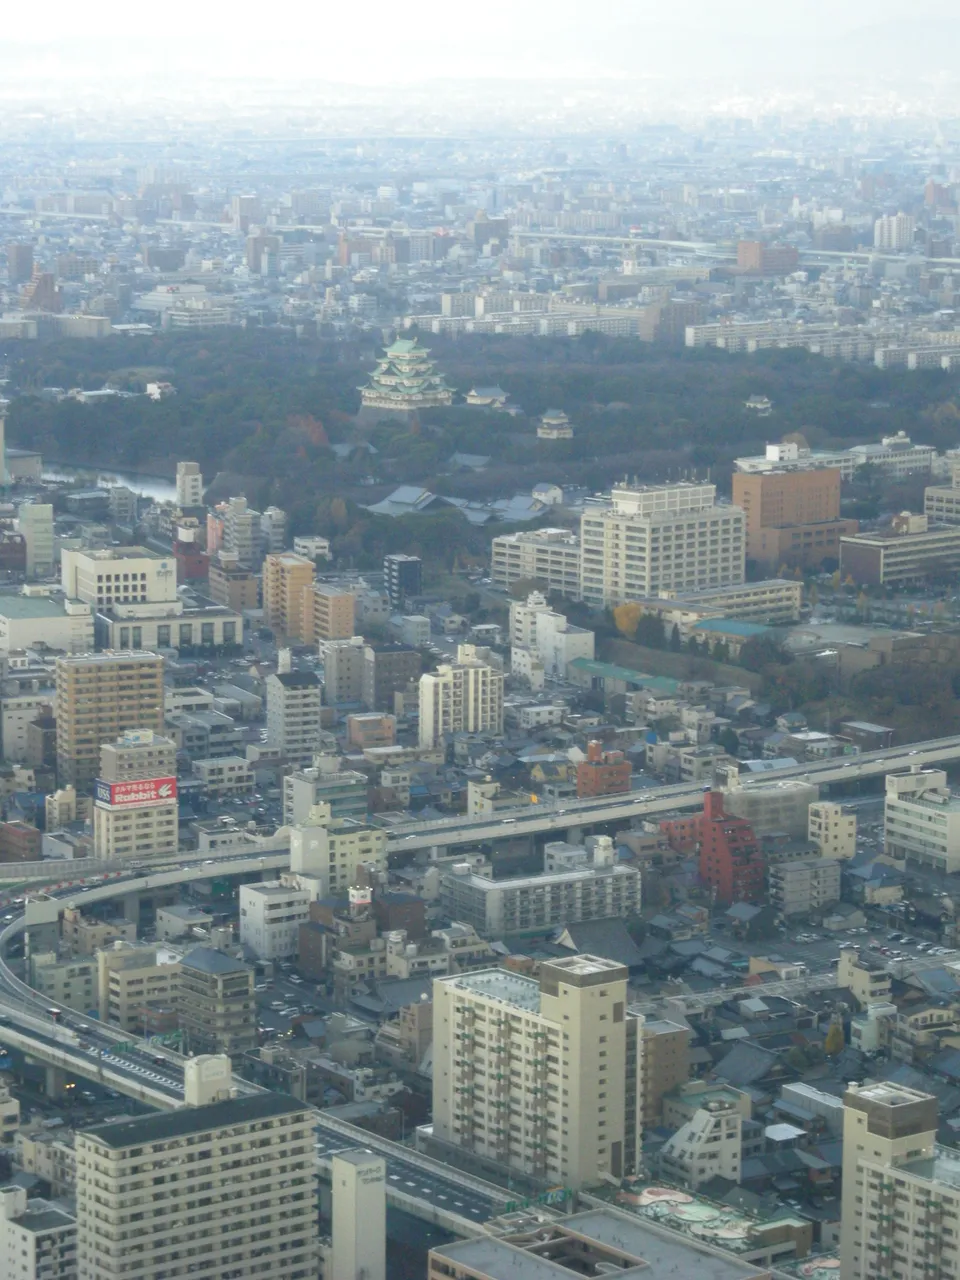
665, 1065
866, 979
546, 556
901, 1190
329, 613
206, 1192
99, 697
232, 584
287, 579
137, 985
658, 540
532, 1073
833, 828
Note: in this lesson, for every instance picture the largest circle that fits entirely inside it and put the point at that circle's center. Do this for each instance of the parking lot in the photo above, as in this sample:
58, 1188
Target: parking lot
286, 997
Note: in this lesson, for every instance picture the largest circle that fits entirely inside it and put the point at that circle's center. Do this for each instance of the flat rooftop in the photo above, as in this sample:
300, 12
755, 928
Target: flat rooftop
165, 1125
653, 1251
124, 553
501, 984
31, 607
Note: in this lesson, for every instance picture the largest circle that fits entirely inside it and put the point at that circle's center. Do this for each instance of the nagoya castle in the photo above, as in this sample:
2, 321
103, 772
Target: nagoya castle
403, 383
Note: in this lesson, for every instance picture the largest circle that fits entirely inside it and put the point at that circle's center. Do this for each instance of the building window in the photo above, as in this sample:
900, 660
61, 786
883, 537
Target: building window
163, 636
186, 635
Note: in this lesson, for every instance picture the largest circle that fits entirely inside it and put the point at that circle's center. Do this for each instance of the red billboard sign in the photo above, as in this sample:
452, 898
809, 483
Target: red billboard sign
139, 792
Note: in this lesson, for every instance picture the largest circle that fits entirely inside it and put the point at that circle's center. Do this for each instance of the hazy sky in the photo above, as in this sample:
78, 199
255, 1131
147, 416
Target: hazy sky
380, 41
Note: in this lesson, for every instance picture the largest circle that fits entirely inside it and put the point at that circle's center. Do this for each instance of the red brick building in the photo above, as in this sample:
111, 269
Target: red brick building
19, 842
731, 861
193, 563
603, 773
683, 834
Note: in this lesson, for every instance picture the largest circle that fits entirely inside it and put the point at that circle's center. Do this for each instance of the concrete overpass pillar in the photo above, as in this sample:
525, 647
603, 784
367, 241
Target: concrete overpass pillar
574, 835
131, 907
54, 1082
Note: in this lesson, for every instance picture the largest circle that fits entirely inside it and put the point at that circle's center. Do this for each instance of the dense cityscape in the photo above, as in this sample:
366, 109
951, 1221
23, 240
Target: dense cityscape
480, 662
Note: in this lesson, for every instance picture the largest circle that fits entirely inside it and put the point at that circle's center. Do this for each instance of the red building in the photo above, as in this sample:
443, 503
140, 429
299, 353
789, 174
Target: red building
192, 561
731, 861
603, 773
19, 842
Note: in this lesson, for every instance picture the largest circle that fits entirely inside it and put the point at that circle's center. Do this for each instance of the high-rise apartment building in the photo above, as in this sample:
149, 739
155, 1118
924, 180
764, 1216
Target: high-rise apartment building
294, 701
402, 578
652, 540
388, 669
99, 697
901, 1191
189, 484
894, 232
533, 1073
329, 613
273, 530
19, 263
35, 520
241, 532
286, 595
665, 1065
216, 1004
210, 1192
793, 517
135, 810
463, 697
343, 665
731, 860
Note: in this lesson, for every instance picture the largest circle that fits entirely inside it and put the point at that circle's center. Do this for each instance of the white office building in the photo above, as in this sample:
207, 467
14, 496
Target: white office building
189, 485
359, 1186
897, 457
922, 818
270, 918
127, 582
659, 540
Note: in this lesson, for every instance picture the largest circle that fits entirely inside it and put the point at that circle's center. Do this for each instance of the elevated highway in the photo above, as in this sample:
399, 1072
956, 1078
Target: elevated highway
69, 1045
574, 814
446, 833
